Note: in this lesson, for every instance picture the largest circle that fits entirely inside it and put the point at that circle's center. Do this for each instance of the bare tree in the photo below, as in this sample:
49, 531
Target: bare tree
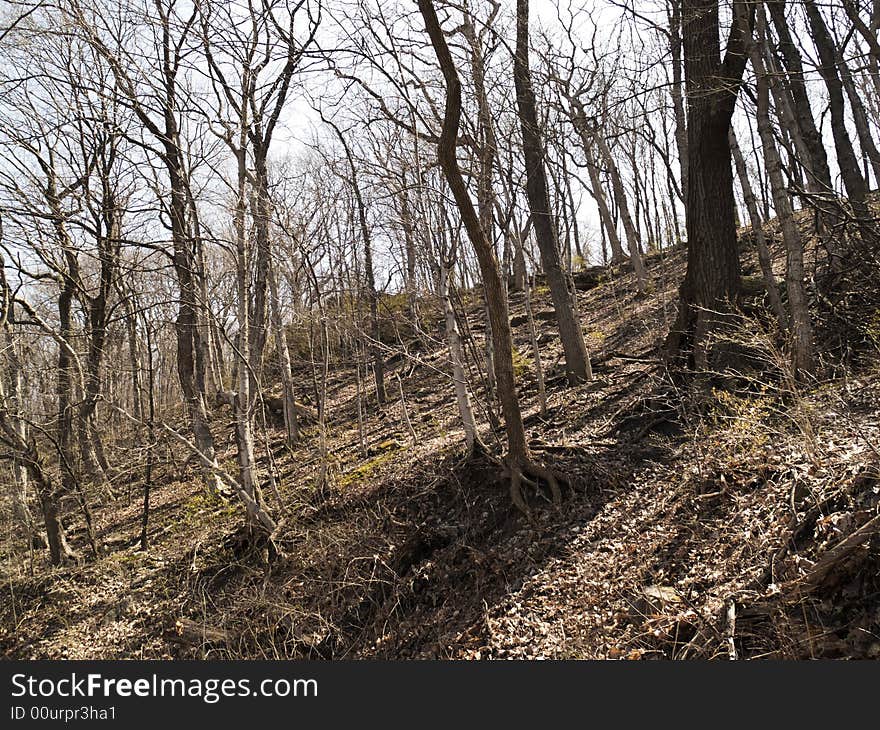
712, 280
577, 365
518, 459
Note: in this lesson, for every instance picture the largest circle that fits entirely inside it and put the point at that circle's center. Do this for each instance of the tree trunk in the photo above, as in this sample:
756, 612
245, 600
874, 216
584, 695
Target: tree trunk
372, 293
817, 164
496, 299
536, 352
678, 106
64, 423
538, 195
151, 435
712, 280
860, 120
24, 448
764, 257
291, 426
519, 257
801, 327
190, 345
456, 356
869, 32
411, 285
262, 262
608, 226
856, 188
11, 372
128, 303
244, 403
632, 234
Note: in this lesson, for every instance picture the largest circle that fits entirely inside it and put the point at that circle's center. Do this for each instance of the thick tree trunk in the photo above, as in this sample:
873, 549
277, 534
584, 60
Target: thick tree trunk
712, 280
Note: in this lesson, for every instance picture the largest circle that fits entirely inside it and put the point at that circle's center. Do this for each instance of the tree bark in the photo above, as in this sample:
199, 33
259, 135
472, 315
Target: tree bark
629, 226
817, 164
801, 327
245, 401
608, 226
456, 356
517, 446
764, 257
678, 106
291, 425
860, 120
854, 183
24, 448
712, 281
576, 366
518, 459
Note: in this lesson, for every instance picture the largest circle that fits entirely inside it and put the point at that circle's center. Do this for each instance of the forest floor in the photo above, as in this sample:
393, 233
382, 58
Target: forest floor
701, 523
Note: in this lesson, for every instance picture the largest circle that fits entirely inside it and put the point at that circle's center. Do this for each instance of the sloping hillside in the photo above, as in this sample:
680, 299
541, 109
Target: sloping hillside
735, 517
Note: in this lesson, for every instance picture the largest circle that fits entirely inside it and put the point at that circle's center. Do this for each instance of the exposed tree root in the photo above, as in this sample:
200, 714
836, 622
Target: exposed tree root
527, 471
521, 471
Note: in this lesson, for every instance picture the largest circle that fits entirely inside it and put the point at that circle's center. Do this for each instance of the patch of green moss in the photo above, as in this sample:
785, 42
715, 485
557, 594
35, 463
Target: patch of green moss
596, 337
395, 304
521, 366
197, 508
872, 328
125, 558
387, 445
366, 470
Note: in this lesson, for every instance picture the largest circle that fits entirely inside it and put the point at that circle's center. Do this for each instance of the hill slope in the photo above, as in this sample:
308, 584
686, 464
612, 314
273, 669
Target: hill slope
696, 524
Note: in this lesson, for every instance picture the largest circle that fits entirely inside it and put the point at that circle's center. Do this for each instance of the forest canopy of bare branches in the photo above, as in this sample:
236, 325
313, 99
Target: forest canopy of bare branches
440, 328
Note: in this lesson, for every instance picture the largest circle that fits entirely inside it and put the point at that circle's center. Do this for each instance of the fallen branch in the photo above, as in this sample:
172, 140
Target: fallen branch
196, 634
211, 464
252, 507
833, 557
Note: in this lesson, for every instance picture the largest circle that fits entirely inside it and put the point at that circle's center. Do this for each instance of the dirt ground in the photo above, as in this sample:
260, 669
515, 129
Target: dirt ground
712, 522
